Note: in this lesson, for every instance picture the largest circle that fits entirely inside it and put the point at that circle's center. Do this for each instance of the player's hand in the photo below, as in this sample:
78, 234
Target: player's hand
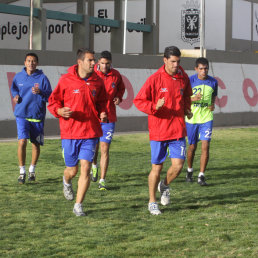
211, 107
64, 112
116, 101
160, 103
197, 97
35, 90
16, 99
189, 114
103, 117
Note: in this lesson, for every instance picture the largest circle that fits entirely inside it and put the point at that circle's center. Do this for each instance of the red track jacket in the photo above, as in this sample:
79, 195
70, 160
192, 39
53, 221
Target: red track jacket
87, 99
168, 122
114, 88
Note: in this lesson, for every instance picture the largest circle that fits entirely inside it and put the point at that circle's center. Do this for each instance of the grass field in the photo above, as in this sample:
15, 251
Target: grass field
220, 220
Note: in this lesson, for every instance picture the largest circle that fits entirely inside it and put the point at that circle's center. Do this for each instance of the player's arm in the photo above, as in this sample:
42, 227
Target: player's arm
214, 95
101, 103
15, 92
187, 99
44, 90
55, 102
144, 100
120, 91
196, 97
212, 106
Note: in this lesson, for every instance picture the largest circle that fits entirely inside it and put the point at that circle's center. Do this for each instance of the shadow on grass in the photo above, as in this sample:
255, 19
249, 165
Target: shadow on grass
220, 199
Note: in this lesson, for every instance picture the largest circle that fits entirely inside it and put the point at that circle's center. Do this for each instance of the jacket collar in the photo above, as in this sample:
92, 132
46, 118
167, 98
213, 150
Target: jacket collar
178, 75
74, 71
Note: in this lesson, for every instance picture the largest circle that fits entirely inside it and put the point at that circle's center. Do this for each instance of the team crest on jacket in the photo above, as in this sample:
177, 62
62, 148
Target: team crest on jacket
113, 85
94, 93
163, 90
76, 91
190, 22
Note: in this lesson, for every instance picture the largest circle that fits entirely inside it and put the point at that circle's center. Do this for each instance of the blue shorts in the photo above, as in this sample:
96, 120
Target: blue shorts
199, 132
159, 150
30, 130
74, 150
108, 131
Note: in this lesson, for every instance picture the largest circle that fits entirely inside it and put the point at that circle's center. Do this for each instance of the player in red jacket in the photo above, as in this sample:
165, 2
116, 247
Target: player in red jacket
115, 89
165, 97
79, 101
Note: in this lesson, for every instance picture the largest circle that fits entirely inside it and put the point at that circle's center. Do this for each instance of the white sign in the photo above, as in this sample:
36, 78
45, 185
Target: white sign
238, 87
241, 20
179, 23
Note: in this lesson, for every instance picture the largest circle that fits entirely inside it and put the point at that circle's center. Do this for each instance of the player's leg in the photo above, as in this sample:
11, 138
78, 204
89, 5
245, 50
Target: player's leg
37, 139
205, 137
192, 136
86, 154
35, 152
174, 170
204, 155
22, 144
94, 168
153, 181
23, 135
177, 149
105, 141
158, 156
190, 159
104, 161
70, 154
83, 181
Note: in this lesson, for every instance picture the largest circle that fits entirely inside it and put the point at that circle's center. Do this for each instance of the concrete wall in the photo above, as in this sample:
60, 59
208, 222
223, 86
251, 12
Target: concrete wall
235, 70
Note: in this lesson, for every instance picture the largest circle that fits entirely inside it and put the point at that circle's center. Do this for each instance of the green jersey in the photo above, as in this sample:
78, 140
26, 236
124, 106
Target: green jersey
208, 88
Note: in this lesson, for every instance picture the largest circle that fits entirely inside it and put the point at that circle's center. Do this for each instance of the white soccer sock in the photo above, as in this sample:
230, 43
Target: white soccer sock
201, 174
22, 170
190, 170
94, 166
32, 168
101, 180
64, 182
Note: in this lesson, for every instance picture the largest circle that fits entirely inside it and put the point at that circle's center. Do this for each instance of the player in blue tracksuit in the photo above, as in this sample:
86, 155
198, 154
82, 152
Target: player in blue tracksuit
30, 91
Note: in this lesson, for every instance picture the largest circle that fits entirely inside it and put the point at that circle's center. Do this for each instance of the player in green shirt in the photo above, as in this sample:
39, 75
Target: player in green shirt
199, 127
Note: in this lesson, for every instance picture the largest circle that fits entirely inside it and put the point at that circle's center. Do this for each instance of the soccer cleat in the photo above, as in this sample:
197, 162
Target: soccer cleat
154, 208
102, 186
164, 193
201, 181
78, 210
189, 177
94, 174
68, 192
31, 176
21, 178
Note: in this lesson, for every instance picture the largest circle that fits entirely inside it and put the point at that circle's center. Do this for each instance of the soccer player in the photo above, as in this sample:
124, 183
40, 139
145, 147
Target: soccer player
30, 91
115, 89
165, 97
199, 127
79, 101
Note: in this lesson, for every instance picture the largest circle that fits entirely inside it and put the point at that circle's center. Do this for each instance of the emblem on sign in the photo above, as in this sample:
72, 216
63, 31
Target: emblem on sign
190, 22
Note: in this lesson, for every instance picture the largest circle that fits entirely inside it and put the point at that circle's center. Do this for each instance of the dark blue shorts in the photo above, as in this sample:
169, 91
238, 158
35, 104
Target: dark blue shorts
173, 148
108, 131
30, 130
75, 150
199, 132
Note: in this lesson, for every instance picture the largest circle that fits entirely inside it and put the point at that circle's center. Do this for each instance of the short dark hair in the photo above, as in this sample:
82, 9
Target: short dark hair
106, 54
201, 60
82, 51
32, 54
172, 51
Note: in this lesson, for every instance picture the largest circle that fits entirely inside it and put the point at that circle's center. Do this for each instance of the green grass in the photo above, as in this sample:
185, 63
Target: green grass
216, 221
